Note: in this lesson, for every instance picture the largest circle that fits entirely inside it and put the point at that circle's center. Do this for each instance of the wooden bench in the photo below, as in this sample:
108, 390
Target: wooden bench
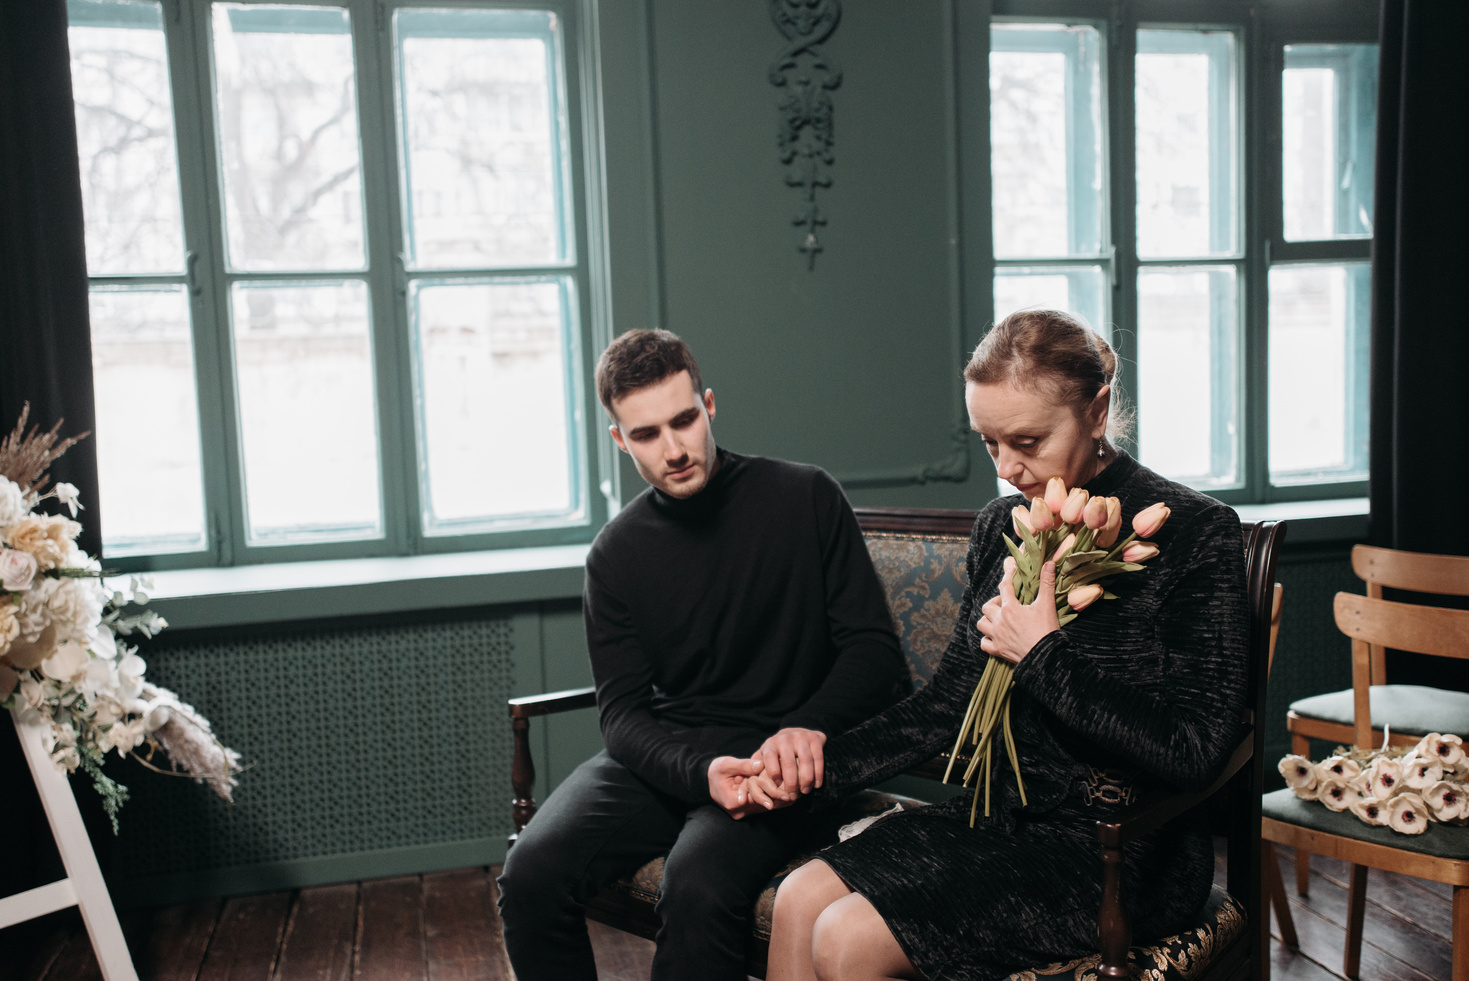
920, 558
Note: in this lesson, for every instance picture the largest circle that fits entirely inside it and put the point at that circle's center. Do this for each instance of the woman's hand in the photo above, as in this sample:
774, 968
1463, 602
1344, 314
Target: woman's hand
1011, 630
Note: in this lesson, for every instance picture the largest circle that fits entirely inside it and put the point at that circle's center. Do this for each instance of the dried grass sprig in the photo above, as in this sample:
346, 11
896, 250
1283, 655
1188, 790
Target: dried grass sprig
26, 456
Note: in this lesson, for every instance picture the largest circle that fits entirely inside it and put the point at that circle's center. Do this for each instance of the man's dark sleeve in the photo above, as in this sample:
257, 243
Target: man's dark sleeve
869, 664
672, 761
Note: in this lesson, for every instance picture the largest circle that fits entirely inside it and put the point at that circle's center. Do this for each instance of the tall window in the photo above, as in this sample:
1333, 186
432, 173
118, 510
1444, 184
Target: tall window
339, 286
1120, 156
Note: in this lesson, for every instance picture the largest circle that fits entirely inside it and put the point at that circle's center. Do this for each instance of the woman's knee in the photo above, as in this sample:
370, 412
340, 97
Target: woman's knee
805, 893
850, 940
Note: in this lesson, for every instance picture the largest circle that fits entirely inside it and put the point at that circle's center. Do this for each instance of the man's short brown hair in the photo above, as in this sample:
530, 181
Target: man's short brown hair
641, 358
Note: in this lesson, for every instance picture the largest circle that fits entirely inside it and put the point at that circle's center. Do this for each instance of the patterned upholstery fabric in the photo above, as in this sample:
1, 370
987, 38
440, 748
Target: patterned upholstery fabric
1175, 958
924, 576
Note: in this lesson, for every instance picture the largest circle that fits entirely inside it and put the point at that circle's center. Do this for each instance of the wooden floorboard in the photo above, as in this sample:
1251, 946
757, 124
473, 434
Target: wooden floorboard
445, 927
319, 938
390, 943
456, 909
247, 938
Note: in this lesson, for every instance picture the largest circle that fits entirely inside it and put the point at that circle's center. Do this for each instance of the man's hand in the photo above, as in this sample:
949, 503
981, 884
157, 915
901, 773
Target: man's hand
793, 761
732, 786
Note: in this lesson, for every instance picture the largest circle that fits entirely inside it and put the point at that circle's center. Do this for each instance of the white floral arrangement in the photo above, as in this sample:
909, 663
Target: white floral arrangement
1405, 789
62, 657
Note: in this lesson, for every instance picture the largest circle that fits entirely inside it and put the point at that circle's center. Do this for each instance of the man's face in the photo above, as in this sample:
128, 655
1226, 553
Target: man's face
665, 428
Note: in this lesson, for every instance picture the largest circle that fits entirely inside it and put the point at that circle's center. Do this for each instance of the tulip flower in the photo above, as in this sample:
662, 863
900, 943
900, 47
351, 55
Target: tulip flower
1063, 548
1335, 794
1041, 518
1407, 814
1055, 494
1095, 513
1446, 801
1074, 506
1147, 521
1020, 514
1371, 811
1107, 537
1139, 552
1083, 596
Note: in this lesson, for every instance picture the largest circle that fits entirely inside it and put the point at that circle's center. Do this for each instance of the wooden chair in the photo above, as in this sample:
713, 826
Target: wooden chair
1440, 853
919, 555
1409, 711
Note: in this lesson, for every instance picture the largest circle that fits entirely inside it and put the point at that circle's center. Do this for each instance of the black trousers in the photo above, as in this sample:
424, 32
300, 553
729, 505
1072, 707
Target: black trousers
603, 823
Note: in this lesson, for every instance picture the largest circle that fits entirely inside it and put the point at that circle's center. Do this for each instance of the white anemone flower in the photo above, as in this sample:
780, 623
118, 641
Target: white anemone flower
1300, 776
1387, 778
1420, 773
1371, 811
1339, 766
1446, 801
1335, 794
1446, 748
1407, 814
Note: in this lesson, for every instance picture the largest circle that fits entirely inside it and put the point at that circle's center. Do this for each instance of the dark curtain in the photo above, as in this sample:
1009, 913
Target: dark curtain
45, 341
1420, 306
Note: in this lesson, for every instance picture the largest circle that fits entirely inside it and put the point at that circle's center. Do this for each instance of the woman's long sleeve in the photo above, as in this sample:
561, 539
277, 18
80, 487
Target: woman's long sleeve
1177, 721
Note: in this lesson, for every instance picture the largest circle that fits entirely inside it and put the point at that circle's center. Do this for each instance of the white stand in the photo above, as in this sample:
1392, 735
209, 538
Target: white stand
83, 886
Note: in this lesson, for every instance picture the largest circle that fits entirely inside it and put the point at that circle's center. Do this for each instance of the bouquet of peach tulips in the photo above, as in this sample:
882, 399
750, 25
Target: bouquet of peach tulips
1079, 534
1403, 788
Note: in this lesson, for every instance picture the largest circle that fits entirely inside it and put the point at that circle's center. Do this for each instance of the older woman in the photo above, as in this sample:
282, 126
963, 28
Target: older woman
1143, 690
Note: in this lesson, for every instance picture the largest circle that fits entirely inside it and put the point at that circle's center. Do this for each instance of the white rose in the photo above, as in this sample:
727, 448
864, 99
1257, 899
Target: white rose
17, 569
1407, 814
12, 503
68, 661
76, 609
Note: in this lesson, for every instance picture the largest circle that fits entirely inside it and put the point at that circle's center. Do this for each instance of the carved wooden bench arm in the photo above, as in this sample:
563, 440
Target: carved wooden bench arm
522, 768
1152, 811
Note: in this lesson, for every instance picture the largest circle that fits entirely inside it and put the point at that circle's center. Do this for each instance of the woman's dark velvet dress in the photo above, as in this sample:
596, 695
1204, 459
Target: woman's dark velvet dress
1146, 689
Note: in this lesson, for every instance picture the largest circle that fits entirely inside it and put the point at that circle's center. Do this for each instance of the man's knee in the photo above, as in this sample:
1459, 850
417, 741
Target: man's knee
537, 878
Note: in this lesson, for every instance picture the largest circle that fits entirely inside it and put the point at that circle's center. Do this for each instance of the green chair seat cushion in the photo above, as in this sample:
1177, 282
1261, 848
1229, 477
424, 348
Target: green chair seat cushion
1175, 958
1440, 840
1413, 710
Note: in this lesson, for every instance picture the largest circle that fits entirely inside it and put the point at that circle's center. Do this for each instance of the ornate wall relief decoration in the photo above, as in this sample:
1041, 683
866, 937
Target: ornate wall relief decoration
808, 75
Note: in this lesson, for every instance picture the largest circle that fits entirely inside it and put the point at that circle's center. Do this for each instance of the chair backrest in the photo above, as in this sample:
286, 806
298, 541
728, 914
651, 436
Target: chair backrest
1376, 624
1418, 572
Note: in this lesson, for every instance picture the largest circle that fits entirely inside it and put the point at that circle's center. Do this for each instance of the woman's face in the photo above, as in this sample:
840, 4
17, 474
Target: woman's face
1033, 438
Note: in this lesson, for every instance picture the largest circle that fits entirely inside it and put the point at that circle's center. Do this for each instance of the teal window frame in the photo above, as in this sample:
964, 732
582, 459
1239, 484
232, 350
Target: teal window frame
388, 276
1260, 32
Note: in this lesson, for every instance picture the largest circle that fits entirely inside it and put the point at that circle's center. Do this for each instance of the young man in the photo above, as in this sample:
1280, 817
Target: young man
734, 622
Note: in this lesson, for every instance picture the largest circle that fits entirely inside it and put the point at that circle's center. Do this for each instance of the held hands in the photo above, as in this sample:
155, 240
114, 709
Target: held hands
1011, 630
789, 764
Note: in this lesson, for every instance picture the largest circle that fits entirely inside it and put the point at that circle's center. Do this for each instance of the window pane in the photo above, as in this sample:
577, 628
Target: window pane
1328, 132
1078, 289
1046, 139
286, 102
303, 363
1318, 372
484, 139
147, 421
124, 114
493, 396
1187, 373
1186, 140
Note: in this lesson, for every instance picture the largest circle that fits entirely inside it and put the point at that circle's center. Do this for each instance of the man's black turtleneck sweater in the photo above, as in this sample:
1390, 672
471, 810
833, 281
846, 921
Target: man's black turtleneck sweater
715, 620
